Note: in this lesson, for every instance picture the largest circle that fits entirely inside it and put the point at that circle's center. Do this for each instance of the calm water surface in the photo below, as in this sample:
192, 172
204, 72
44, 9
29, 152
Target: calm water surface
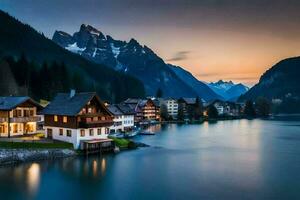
242, 159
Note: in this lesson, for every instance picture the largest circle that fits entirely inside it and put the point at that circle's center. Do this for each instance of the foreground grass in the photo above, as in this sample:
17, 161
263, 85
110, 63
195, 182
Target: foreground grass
123, 143
35, 145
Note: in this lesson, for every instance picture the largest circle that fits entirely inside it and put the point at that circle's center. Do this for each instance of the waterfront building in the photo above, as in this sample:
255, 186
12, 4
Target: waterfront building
77, 118
227, 108
18, 116
171, 105
123, 118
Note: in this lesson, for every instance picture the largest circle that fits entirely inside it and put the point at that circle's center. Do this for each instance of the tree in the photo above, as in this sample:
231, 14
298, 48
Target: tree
180, 115
159, 93
249, 109
198, 111
164, 112
212, 112
263, 106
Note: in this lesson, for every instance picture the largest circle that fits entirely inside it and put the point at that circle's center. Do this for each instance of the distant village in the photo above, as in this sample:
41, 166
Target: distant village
85, 121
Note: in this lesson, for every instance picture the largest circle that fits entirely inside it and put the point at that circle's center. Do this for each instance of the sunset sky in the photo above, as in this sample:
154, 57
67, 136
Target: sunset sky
213, 39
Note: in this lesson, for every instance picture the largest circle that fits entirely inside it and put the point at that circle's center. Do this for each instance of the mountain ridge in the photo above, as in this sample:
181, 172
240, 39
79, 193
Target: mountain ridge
129, 57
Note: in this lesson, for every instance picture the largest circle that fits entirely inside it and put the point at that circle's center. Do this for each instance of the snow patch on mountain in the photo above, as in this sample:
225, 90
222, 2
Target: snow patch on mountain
115, 50
74, 48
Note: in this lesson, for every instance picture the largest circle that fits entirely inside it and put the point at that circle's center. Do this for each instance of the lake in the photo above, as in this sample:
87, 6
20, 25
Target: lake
240, 159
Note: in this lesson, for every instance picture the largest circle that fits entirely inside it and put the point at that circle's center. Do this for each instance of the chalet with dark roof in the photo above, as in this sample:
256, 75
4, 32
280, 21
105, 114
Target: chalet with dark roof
77, 118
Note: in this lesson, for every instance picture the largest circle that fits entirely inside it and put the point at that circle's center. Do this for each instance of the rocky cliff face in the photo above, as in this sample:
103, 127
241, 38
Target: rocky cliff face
129, 57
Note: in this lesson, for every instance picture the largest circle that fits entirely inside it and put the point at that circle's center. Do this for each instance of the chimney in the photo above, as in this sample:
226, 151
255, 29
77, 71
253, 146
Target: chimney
72, 93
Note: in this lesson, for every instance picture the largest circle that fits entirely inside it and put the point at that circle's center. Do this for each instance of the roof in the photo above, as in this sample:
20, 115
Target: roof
9, 103
190, 100
114, 110
132, 101
63, 104
127, 109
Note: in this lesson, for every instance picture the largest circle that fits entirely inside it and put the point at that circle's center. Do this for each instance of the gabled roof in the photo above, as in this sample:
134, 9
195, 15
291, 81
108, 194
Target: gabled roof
114, 110
190, 100
9, 103
63, 104
126, 109
132, 101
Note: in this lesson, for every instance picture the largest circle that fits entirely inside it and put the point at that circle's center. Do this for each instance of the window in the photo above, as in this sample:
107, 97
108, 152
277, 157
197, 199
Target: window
55, 118
69, 133
91, 132
89, 110
65, 119
61, 131
82, 133
99, 131
19, 113
31, 112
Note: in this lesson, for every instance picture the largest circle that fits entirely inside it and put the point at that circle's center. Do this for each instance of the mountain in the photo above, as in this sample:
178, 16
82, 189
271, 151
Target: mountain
201, 88
228, 90
128, 57
17, 38
280, 82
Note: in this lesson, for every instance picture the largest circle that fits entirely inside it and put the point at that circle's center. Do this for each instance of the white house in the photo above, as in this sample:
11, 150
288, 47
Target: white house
78, 119
123, 118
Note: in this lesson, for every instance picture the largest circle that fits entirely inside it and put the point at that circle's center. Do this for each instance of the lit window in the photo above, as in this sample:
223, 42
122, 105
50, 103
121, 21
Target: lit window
65, 119
61, 131
91, 132
69, 133
82, 133
55, 118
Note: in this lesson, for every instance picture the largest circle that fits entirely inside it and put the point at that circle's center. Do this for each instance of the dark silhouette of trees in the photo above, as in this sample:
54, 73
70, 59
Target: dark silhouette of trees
263, 106
249, 109
212, 112
180, 115
159, 93
198, 111
164, 112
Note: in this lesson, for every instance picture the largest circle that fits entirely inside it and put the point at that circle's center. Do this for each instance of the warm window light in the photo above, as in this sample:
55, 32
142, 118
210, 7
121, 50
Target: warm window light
55, 118
65, 119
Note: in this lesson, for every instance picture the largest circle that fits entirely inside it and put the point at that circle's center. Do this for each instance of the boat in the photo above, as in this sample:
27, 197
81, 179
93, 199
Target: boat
147, 133
132, 133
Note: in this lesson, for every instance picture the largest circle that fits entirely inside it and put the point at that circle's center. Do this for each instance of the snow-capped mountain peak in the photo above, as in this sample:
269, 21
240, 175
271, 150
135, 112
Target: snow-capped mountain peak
227, 89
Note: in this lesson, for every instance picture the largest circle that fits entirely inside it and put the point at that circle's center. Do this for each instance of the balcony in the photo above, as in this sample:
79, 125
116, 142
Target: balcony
94, 121
25, 119
2, 120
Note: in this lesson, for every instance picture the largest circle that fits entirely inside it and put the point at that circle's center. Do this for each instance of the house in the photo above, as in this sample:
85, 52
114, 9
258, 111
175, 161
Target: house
77, 118
123, 118
133, 104
171, 105
150, 110
128, 117
18, 116
226, 108
145, 109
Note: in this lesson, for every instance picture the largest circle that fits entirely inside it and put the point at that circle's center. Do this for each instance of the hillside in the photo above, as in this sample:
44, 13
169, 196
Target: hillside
201, 88
281, 84
17, 38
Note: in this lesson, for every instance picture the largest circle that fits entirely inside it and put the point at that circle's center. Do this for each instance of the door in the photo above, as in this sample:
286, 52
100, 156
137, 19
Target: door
49, 133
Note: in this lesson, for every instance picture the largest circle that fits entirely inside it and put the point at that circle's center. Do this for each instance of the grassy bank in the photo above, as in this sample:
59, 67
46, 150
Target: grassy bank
124, 143
35, 145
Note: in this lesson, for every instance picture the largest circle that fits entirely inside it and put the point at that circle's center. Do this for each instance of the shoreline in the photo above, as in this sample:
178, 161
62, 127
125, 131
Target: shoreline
10, 157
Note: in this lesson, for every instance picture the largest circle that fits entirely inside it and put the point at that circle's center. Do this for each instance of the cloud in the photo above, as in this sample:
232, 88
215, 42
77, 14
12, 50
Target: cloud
180, 55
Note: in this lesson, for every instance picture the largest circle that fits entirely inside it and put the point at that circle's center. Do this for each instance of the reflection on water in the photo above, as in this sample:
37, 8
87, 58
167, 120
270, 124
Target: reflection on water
241, 159
33, 178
